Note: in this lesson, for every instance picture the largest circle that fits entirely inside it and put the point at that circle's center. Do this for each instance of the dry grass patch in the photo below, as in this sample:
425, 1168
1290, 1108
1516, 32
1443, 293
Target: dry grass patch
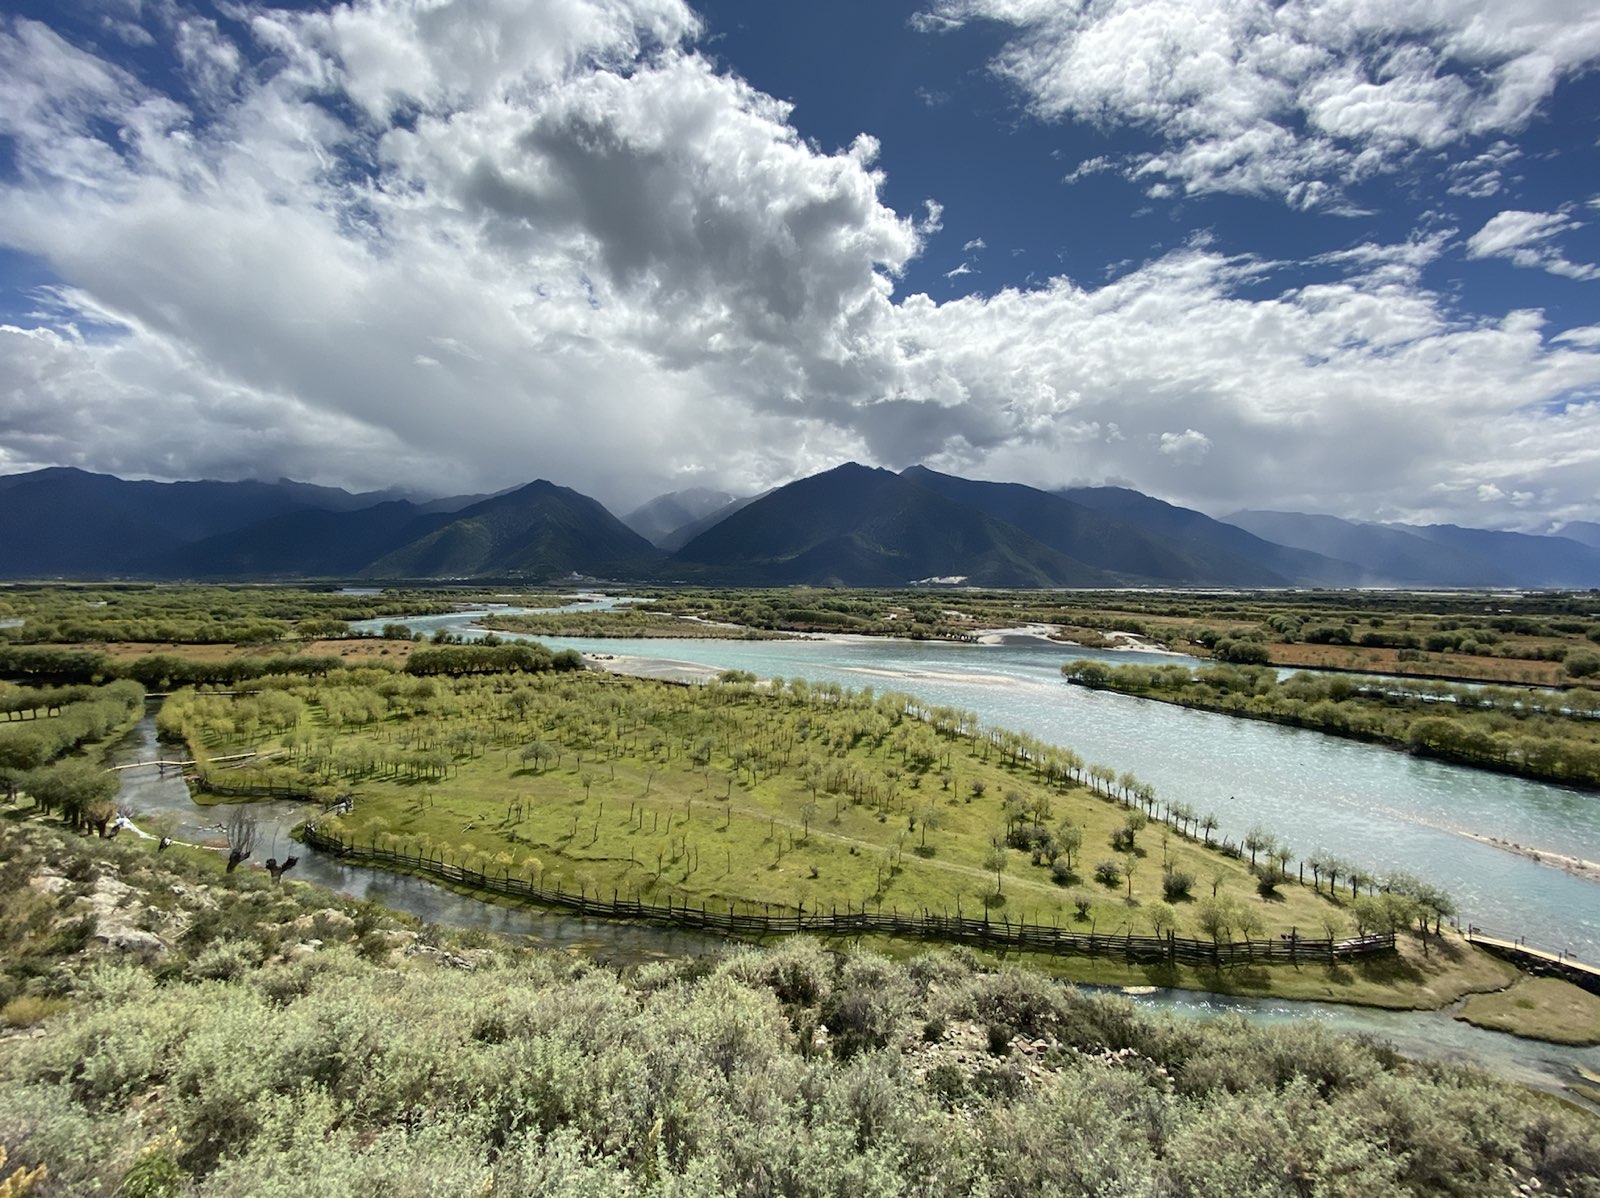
1542, 1008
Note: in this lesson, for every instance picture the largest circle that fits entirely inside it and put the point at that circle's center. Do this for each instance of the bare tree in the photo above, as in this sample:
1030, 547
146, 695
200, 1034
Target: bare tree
241, 832
277, 871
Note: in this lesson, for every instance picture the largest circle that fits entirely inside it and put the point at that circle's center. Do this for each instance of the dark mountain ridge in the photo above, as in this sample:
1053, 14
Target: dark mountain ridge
850, 526
538, 531
1120, 547
856, 525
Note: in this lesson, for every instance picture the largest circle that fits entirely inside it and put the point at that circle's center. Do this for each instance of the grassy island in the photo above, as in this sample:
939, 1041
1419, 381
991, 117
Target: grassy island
787, 797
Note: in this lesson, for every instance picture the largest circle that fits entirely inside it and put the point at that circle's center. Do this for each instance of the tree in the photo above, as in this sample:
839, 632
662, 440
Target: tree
539, 753
1069, 836
1258, 840
73, 787
241, 832
1217, 918
1381, 914
1281, 856
1123, 838
1162, 918
1581, 664
996, 859
1015, 807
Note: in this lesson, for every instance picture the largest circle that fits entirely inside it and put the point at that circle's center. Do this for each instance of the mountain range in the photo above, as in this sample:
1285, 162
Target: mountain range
850, 526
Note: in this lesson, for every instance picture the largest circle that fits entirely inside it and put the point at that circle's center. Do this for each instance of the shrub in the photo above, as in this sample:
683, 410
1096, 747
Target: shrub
28, 1010
1000, 1035
223, 962
1061, 874
1176, 884
1108, 873
1581, 665
154, 1175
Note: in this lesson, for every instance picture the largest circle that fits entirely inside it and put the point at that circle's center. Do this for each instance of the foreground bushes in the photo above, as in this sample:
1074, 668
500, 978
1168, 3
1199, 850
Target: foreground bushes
495, 1071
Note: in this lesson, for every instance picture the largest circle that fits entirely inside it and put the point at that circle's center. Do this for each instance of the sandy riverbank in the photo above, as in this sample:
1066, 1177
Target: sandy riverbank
1126, 642
1572, 865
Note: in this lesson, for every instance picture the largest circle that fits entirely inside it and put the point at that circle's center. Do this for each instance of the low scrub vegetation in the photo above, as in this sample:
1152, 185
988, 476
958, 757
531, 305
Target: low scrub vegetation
273, 1040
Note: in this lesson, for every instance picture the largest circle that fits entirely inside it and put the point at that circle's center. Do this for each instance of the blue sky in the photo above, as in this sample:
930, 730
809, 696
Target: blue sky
1337, 256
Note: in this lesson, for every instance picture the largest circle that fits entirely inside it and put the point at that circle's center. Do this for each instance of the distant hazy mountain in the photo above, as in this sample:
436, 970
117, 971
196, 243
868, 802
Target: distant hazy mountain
857, 526
1241, 557
679, 537
537, 531
1391, 556
665, 514
1530, 560
1583, 531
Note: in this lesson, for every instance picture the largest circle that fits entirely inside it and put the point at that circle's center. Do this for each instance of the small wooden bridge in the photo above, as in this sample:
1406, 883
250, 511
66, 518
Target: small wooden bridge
178, 765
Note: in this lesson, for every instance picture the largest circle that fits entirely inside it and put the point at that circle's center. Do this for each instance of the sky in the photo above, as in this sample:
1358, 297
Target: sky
1334, 256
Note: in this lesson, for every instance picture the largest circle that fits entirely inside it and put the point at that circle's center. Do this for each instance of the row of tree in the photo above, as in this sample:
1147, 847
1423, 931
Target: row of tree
165, 671
90, 716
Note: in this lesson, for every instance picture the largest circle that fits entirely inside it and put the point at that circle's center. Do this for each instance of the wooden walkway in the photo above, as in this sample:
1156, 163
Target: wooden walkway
1538, 961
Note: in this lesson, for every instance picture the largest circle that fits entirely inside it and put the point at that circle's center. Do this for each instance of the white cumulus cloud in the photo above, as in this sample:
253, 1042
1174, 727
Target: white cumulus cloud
1525, 239
465, 245
1289, 98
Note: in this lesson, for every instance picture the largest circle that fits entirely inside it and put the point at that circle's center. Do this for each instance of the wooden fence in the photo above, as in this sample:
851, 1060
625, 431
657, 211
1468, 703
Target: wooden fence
246, 790
984, 932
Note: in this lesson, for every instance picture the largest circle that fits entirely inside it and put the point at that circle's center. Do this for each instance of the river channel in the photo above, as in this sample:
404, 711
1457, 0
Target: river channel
1379, 808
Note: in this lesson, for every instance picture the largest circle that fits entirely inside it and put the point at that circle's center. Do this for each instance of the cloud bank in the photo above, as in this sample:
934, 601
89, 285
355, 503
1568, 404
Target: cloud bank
462, 245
